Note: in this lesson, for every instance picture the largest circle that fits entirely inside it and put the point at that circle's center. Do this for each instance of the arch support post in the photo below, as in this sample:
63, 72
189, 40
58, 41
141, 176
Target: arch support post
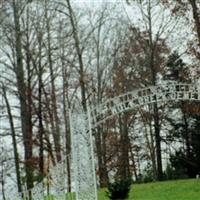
83, 156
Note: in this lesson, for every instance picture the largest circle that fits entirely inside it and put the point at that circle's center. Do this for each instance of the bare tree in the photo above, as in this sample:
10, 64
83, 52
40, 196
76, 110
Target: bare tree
79, 54
22, 91
15, 149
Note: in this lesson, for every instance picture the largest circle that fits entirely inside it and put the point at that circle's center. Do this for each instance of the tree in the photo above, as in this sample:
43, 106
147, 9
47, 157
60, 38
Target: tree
185, 159
176, 69
155, 42
22, 91
15, 149
186, 10
56, 126
79, 54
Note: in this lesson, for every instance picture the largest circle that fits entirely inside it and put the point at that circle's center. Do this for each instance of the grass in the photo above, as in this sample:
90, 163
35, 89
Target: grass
167, 190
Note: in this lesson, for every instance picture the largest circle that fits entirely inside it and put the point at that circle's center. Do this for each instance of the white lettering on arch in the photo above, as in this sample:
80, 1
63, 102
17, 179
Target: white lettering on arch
130, 100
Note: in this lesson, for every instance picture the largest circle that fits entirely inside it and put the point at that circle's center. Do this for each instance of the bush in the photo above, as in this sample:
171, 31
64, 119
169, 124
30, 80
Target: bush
148, 178
148, 175
172, 173
119, 189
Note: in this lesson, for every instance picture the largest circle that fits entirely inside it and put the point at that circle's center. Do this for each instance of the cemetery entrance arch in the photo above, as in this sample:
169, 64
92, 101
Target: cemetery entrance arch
82, 124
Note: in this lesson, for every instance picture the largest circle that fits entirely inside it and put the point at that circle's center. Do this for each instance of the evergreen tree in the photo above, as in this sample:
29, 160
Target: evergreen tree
185, 160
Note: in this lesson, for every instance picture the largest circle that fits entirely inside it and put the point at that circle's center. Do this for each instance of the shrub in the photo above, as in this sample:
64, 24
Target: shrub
148, 174
119, 189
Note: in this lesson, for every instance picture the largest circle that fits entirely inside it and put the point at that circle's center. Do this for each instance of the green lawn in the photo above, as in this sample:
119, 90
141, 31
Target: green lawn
168, 190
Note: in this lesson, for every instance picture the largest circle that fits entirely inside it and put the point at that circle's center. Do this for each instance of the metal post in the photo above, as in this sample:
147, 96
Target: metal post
92, 151
73, 153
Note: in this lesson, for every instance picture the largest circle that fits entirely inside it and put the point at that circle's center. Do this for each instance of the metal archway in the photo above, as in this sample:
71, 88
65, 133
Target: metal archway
83, 123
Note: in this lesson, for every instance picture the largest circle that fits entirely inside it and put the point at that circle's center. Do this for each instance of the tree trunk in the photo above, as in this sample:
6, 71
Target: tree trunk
98, 135
196, 17
67, 132
56, 131
105, 170
186, 133
40, 110
133, 164
158, 143
29, 90
22, 91
152, 47
2, 182
79, 54
15, 150
124, 170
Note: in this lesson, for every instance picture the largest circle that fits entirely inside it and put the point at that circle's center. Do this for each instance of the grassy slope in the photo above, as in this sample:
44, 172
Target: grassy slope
168, 190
